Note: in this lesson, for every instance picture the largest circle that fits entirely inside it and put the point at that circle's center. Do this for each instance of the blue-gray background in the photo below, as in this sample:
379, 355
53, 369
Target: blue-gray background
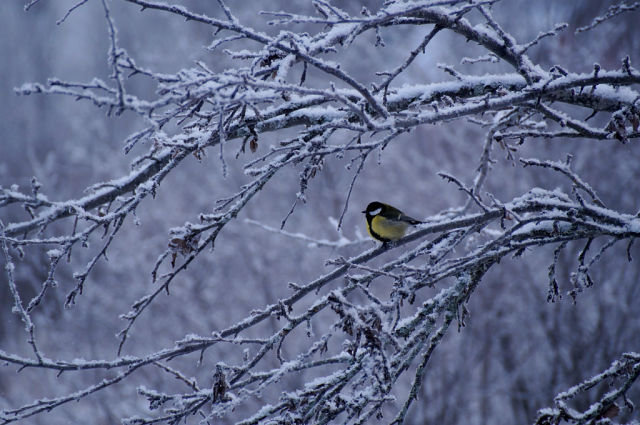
516, 351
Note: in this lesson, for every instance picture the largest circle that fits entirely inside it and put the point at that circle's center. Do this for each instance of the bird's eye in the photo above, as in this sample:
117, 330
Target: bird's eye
376, 211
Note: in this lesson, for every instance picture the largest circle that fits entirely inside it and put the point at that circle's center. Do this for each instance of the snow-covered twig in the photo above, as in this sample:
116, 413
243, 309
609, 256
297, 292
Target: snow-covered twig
366, 339
612, 12
624, 371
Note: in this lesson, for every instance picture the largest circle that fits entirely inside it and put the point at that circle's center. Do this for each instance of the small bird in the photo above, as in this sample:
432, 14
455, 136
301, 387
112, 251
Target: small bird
386, 223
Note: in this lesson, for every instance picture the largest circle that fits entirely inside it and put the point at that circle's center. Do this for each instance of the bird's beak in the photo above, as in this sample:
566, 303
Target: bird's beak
363, 212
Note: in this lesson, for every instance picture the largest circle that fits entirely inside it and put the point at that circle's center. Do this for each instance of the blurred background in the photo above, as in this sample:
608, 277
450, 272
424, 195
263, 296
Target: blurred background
516, 351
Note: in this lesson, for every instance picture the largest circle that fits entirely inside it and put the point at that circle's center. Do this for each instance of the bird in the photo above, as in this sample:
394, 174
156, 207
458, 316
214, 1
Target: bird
386, 223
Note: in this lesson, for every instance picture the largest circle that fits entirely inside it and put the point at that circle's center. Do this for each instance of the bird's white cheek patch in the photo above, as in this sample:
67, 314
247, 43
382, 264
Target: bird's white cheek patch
375, 212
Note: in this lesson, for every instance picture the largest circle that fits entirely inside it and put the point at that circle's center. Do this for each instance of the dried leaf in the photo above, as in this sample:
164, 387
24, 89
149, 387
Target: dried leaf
253, 145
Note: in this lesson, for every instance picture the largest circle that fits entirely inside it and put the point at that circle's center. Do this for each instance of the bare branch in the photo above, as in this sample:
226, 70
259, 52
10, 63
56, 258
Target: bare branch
352, 342
612, 12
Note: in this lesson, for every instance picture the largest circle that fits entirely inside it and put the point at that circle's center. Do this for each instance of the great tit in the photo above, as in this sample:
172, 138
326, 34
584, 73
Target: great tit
386, 223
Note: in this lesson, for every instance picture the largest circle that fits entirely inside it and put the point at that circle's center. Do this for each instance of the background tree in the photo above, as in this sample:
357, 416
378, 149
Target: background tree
241, 201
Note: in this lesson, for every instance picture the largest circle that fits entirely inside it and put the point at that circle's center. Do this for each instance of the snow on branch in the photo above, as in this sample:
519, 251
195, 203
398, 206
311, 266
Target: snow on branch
381, 334
620, 376
371, 331
612, 12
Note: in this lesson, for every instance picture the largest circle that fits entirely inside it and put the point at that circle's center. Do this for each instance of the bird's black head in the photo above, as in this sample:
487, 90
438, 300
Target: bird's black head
374, 208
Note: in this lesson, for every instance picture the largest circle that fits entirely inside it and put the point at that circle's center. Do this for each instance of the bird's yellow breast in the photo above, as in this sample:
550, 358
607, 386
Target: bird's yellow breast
386, 230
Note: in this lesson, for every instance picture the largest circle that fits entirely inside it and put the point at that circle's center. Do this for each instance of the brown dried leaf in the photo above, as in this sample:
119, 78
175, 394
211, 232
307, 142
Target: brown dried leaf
253, 145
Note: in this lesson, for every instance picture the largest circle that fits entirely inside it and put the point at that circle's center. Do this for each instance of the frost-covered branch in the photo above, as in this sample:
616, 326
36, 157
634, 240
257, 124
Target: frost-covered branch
613, 11
366, 328
379, 330
621, 375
